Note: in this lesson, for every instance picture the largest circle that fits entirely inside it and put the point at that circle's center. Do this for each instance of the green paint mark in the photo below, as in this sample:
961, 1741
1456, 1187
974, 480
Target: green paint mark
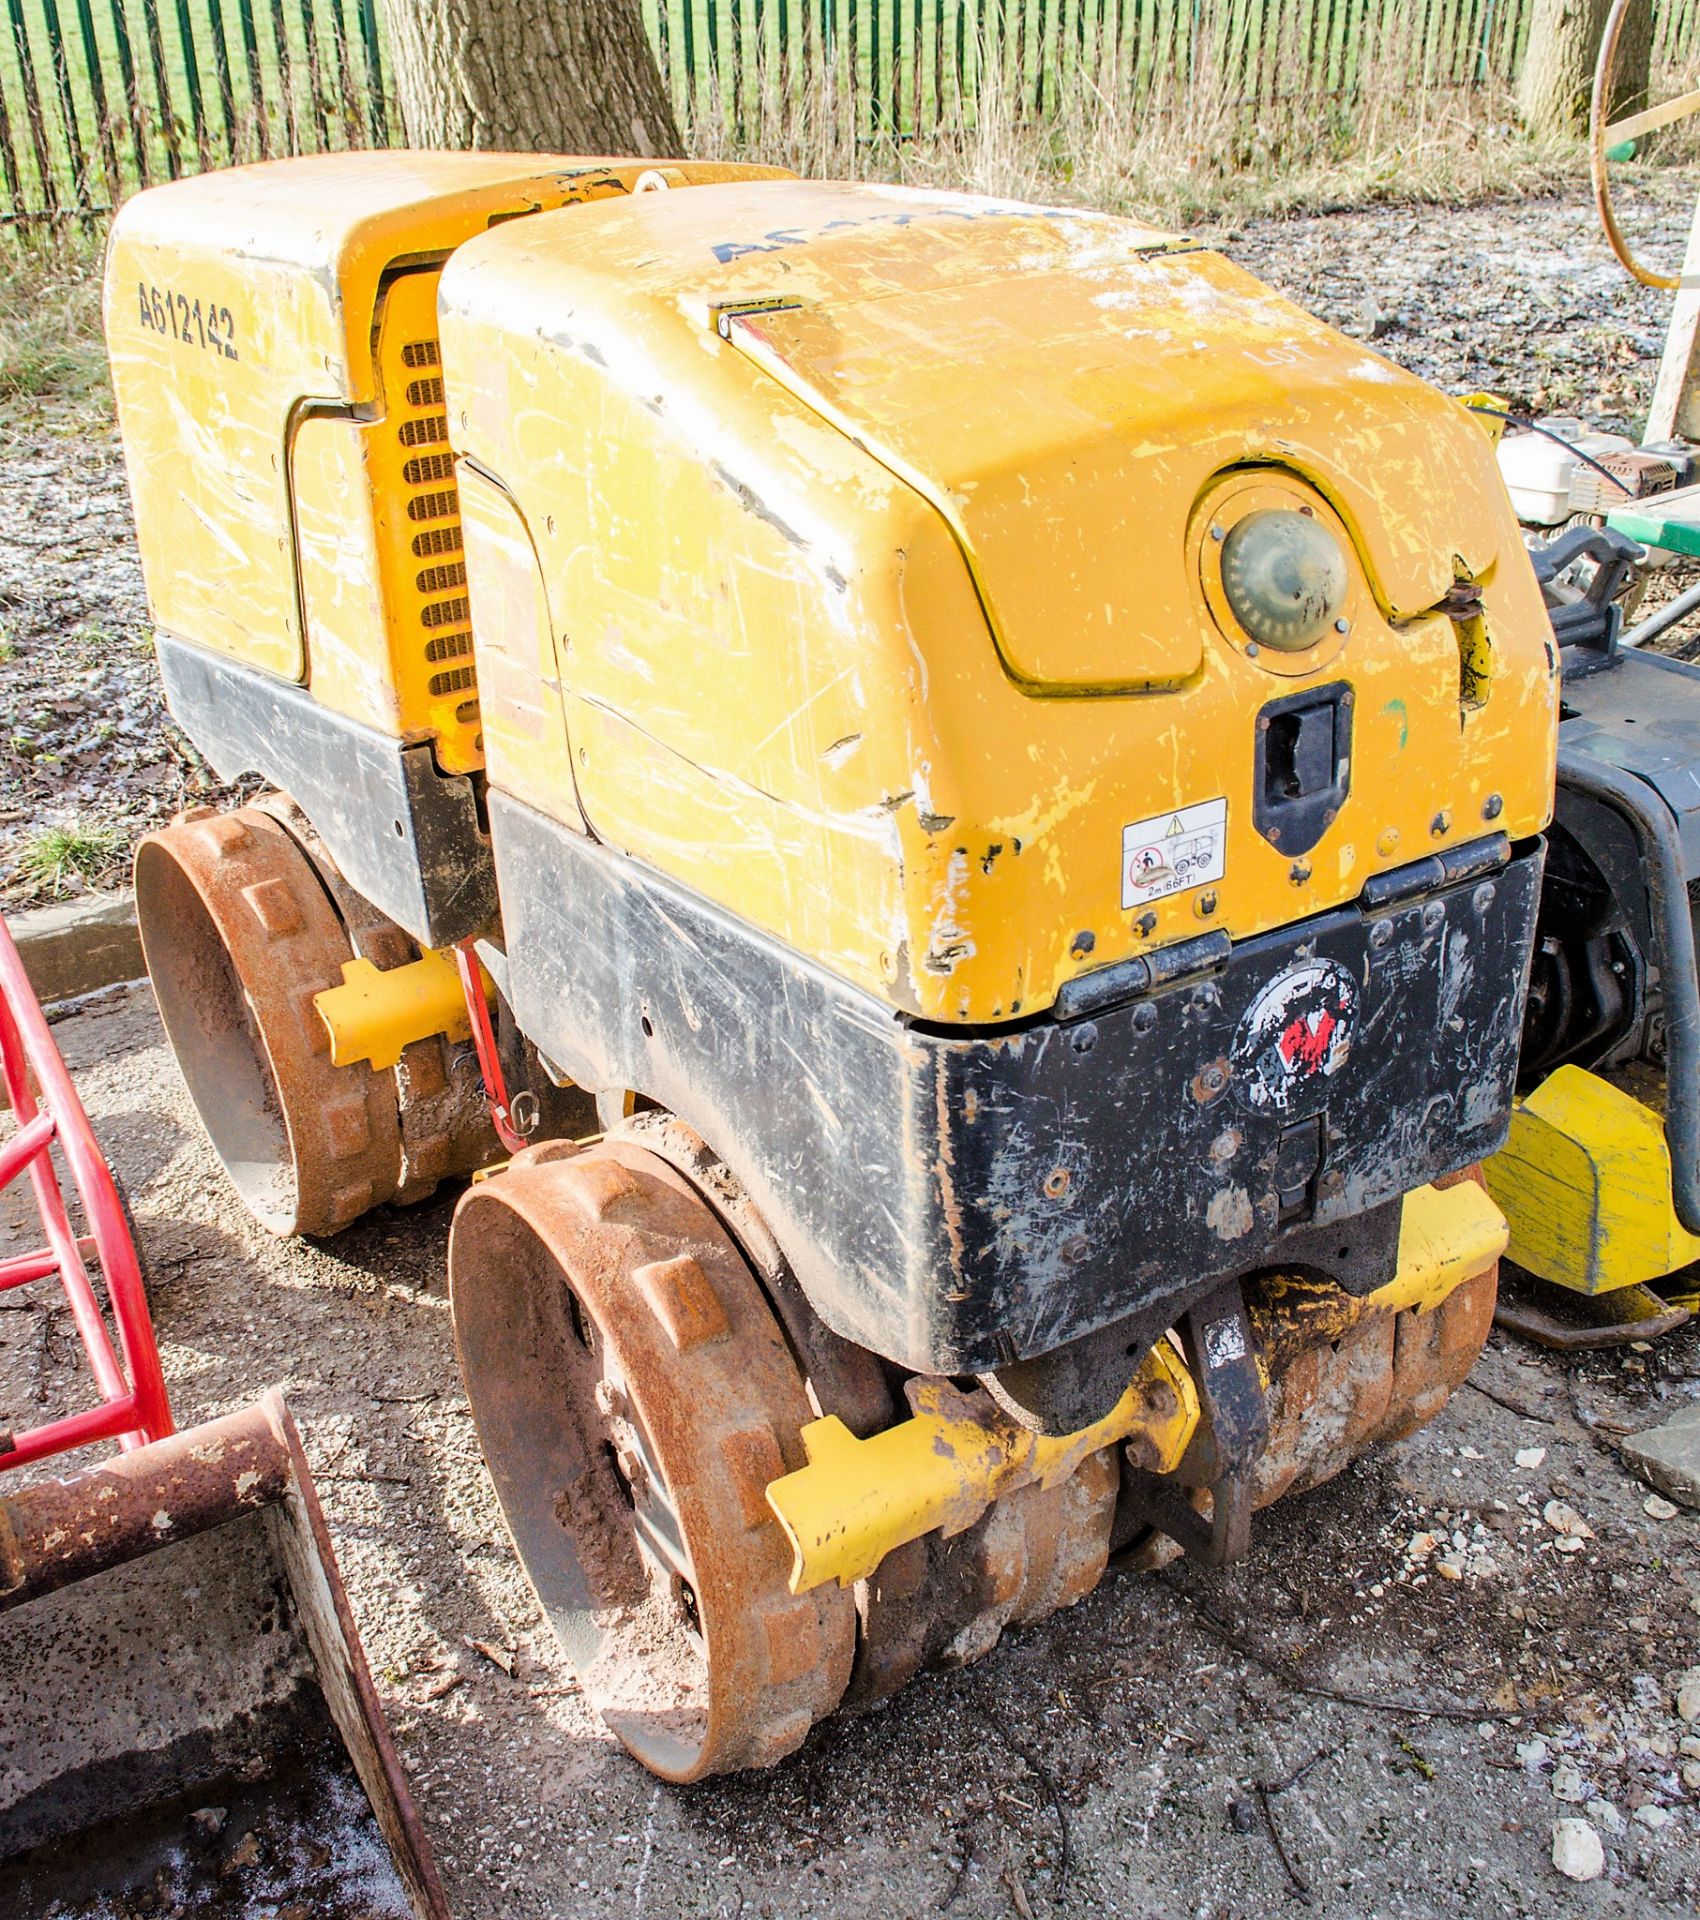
1398, 707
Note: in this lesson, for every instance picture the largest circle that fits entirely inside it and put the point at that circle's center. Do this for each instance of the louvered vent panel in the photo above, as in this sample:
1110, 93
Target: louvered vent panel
443, 623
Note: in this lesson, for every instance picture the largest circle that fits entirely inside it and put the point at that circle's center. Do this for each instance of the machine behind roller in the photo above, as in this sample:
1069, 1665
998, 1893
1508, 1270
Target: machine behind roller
1600, 1180
981, 778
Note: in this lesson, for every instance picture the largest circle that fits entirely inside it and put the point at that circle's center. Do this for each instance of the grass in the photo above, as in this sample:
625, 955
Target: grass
88, 851
1180, 149
51, 351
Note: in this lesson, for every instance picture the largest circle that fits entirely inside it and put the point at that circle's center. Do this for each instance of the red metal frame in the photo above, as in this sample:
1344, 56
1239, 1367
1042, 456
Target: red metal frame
133, 1407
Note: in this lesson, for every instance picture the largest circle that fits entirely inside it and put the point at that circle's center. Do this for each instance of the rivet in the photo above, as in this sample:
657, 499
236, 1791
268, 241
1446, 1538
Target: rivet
1483, 897
1299, 872
1205, 905
1386, 840
1441, 824
1146, 925
1210, 1084
1216, 533
1492, 807
1144, 1018
1251, 649
1342, 626
1381, 934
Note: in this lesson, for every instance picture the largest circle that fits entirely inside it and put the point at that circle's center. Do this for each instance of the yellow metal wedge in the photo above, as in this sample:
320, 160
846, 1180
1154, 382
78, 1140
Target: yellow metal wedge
1585, 1183
1447, 1235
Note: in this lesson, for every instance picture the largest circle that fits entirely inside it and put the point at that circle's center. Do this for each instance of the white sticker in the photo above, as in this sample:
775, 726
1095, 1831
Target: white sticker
1174, 852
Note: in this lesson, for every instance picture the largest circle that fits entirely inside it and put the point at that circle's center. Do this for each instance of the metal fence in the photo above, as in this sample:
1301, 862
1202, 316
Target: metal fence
98, 97
908, 66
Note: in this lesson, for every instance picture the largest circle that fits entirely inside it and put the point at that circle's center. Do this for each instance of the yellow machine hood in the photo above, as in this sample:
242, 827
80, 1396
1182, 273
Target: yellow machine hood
859, 541
1040, 375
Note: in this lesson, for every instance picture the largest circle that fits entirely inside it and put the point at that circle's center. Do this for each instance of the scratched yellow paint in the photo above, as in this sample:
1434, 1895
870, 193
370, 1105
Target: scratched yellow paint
874, 528
1584, 1181
294, 288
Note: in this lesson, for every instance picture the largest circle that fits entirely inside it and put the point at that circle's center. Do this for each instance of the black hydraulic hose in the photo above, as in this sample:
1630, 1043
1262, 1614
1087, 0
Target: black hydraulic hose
1667, 898
1661, 618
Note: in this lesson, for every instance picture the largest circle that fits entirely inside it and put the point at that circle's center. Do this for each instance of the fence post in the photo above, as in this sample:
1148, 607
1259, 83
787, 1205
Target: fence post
192, 80
32, 107
315, 75
8, 160
132, 92
377, 109
97, 94
286, 78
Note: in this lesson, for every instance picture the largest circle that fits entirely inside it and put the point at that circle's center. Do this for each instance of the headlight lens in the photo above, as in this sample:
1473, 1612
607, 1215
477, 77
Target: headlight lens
1285, 578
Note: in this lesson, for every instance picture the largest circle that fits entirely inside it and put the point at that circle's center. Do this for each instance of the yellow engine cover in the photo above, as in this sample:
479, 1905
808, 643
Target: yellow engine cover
273, 338
860, 542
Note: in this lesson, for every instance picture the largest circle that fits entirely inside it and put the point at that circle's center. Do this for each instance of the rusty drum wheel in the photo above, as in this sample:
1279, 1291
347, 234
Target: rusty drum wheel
934, 1602
239, 935
1389, 1375
634, 1396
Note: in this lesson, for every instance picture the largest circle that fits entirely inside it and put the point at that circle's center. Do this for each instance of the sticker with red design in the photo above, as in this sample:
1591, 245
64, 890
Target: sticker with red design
1297, 1031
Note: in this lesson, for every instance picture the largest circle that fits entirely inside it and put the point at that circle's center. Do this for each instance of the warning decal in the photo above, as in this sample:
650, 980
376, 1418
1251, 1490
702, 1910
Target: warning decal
1174, 852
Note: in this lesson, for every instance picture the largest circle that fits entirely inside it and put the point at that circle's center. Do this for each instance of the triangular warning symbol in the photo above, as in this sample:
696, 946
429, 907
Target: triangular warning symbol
1174, 827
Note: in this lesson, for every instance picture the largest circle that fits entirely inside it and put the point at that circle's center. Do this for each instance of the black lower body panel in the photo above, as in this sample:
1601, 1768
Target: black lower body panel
958, 1202
402, 834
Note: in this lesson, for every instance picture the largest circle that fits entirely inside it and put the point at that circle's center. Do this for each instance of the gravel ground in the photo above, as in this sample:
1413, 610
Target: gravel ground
1107, 1762
1521, 299
1382, 1712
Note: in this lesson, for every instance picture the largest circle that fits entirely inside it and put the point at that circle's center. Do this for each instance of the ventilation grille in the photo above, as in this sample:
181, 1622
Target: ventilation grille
439, 539
442, 609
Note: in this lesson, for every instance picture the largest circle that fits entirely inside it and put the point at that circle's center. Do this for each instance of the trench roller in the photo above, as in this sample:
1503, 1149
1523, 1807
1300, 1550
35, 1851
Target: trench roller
184, 1702
982, 781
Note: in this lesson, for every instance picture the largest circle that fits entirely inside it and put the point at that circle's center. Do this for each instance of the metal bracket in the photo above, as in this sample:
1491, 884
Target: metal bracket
1217, 1336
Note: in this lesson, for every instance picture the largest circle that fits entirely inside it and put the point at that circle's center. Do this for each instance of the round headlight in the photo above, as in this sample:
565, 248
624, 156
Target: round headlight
1285, 578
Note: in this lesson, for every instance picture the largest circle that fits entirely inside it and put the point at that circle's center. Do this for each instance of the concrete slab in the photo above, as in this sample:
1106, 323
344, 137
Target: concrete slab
77, 946
1669, 1455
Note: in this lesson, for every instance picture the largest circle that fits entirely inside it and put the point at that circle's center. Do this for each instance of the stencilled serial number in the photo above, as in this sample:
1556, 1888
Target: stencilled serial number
189, 322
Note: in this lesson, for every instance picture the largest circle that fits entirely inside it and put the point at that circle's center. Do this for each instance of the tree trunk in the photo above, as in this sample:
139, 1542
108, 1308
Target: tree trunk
1557, 80
558, 76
